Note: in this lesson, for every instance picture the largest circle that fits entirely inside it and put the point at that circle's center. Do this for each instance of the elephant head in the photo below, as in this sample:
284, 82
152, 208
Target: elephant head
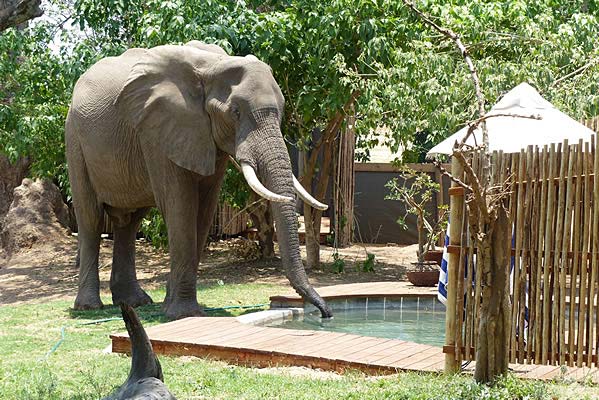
195, 103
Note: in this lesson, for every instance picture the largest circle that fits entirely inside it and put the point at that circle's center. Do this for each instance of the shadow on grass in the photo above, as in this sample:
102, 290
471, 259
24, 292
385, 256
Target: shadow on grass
149, 313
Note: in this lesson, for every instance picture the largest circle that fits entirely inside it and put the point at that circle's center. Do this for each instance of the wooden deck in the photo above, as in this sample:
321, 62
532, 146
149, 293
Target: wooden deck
227, 339
390, 290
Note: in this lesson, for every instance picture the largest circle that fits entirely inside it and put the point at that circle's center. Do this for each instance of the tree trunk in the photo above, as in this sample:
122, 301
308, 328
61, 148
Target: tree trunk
325, 147
261, 216
343, 189
421, 238
11, 176
313, 217
16, 12
493, 261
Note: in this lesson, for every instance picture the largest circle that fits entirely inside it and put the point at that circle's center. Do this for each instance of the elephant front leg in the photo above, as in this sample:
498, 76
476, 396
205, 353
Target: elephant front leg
124, 285
181, 297
180, 215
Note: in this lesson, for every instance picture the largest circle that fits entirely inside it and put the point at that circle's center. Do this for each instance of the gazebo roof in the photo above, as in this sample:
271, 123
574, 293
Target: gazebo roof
511, 134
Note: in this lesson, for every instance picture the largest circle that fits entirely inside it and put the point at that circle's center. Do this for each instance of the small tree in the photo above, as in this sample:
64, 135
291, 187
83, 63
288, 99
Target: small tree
416, 190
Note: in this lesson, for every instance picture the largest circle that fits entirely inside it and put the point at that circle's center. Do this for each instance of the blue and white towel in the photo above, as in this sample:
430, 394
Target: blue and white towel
442, 286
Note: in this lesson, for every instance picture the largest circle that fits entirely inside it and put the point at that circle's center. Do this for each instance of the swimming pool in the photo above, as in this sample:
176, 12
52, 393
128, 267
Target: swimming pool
420, 320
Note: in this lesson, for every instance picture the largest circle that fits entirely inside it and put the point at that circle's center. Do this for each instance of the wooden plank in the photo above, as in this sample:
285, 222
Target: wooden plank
422, 360
399, 358
352, 354
327, 344
382, 344
296, 344
388, 167
338, 351
456, 191
393, 348
371, 355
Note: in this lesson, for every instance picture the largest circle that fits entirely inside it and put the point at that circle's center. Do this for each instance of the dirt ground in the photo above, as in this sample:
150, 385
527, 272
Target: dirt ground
48, 272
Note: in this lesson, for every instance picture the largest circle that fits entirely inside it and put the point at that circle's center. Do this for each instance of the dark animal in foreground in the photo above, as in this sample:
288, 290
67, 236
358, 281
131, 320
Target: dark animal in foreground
145, 381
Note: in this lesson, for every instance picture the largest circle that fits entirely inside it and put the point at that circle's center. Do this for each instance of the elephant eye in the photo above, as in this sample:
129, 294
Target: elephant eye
235, 112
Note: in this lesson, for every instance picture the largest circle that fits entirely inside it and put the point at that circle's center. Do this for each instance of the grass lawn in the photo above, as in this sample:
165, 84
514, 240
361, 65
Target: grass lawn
78, 368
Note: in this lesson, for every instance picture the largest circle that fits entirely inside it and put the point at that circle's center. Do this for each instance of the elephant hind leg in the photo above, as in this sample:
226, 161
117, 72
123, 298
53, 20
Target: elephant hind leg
123, 278
89, 226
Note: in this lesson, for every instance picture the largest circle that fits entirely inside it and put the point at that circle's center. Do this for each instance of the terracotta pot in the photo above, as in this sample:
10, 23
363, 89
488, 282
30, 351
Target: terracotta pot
425, 274
434, 255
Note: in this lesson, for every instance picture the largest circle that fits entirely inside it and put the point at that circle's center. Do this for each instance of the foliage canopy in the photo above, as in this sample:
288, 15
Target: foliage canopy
409, 78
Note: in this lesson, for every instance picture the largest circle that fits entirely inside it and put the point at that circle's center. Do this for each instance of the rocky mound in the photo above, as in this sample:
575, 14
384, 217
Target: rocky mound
37, 215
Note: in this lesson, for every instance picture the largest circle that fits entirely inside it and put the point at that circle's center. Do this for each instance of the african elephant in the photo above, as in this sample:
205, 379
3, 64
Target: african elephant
156, 127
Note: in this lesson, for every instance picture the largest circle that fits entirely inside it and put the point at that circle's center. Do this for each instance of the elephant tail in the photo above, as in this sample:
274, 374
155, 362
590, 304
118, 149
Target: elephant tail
144, 363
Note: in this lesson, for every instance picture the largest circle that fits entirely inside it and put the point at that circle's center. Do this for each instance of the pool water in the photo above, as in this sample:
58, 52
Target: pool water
411, 321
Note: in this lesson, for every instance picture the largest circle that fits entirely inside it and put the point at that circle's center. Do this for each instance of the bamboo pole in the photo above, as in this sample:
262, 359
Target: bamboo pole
576, 238
456, 215
565, 267
533, 197
524, 345
542, 266
478, 283
470, 320
548, 244
558, 232
594, 252
517, 209
460, 298
470, 310
582, 325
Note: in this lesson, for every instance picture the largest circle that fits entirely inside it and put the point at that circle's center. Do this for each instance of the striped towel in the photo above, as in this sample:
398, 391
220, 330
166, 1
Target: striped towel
442, 287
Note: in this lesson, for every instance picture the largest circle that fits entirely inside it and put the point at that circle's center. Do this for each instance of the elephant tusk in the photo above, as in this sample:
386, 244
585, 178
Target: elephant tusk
305, 196
250, 176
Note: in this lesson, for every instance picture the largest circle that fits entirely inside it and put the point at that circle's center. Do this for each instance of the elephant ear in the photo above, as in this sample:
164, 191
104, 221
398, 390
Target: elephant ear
163, 99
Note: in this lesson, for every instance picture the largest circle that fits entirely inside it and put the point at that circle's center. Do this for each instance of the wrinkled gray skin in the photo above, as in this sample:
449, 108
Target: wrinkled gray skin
155, 127
145, 381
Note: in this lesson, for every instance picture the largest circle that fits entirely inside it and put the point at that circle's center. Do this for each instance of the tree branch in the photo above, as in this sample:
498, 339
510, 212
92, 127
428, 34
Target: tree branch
450, 176
463, 50
15, 12
477, 189
327, 135
575, 72
473, 124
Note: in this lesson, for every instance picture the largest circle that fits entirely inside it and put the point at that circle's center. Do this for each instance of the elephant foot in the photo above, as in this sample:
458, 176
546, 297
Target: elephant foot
133, 298
87, 302
178, 309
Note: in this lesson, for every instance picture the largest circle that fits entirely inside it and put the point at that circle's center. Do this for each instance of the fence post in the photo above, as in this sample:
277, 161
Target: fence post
456, 215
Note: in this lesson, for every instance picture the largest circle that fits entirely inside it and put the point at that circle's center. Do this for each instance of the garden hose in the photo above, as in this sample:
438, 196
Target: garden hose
63, 329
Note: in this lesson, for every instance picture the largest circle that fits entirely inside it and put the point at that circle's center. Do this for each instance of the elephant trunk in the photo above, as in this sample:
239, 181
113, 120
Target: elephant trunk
264, 149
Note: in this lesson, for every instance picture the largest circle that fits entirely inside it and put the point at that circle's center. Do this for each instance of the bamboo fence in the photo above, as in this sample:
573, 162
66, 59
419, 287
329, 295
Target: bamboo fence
227, 221
554, 209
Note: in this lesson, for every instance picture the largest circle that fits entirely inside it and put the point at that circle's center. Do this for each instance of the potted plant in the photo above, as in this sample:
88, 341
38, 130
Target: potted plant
415, 191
